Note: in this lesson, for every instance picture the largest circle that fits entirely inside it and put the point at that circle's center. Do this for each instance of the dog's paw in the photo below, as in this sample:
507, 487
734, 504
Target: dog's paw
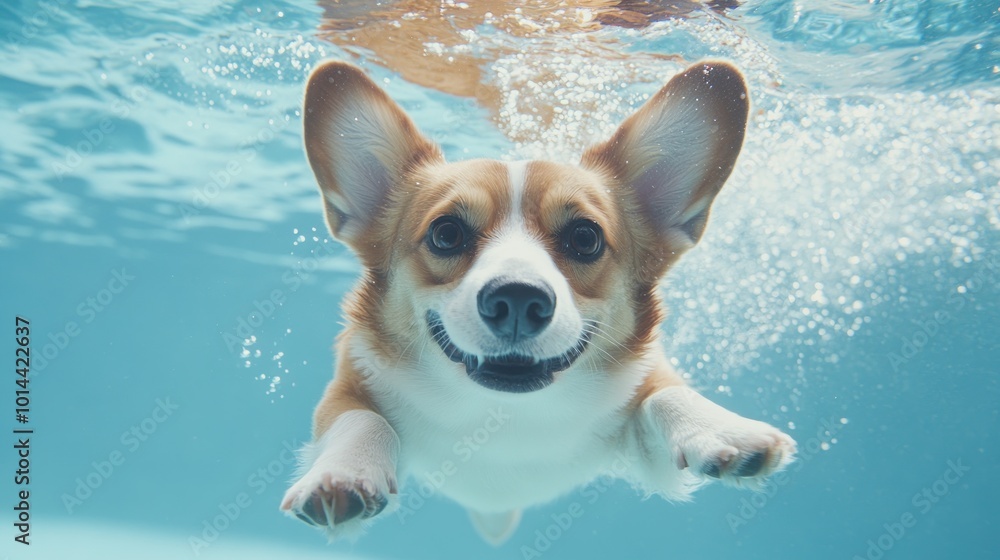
349, 475
336, 502
737, 450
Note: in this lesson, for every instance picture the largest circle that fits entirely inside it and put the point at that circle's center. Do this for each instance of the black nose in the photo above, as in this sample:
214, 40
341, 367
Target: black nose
516, 309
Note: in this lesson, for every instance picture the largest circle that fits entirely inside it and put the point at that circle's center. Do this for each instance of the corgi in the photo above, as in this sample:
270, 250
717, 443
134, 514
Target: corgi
503, 344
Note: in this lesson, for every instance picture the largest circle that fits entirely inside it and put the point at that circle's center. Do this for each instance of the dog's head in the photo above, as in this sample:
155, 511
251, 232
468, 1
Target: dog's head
515, 275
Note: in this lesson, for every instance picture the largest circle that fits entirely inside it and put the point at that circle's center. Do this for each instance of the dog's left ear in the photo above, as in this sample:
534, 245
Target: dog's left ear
674, 154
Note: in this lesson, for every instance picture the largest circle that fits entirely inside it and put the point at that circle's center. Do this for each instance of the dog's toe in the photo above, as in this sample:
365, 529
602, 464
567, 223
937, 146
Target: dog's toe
313, 511
347, 505
307, 519
720, 463
752, 464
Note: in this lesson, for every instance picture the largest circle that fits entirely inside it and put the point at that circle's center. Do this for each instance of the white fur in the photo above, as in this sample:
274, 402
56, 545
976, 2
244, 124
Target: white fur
516, 174
360, 450
549, 442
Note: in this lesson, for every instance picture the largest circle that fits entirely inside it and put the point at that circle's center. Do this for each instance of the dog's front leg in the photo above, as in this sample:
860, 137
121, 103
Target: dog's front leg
349, 471
712, 441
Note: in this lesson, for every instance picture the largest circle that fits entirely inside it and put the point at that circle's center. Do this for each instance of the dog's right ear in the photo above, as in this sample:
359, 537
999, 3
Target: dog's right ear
360, 145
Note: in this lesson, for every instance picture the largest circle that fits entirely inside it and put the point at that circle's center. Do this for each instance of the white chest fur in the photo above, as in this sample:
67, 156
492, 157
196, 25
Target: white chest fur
492, 451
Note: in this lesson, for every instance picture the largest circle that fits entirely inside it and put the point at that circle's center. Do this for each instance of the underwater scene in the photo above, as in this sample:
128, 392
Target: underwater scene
172, 292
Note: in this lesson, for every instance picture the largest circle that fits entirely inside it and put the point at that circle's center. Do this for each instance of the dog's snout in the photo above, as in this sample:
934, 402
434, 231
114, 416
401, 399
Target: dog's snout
516, 310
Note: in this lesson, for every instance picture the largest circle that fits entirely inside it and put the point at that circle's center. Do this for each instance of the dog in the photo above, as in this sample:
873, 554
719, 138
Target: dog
503, 344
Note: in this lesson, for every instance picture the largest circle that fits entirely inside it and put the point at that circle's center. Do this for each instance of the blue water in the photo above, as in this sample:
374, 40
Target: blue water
154, 195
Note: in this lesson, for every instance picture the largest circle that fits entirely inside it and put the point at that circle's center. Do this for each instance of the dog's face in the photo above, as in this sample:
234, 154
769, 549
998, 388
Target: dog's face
516, 268
515, 275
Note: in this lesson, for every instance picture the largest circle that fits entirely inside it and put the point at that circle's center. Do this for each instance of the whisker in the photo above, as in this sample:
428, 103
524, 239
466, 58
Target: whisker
403, 353
598, 332
609, 327
420, 356
608, 354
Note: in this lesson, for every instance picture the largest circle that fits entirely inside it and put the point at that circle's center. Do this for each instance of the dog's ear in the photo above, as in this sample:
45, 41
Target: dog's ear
360, 144
676, 151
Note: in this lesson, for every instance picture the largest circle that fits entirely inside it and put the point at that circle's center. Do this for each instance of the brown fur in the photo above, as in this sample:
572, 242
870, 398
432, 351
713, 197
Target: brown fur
346, 392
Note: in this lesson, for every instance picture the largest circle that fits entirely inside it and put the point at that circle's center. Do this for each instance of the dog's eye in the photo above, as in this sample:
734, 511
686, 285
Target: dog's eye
583, 240
447, 236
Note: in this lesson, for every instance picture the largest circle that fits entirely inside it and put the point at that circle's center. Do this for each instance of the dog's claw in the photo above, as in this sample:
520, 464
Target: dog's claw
305, 518
380, 503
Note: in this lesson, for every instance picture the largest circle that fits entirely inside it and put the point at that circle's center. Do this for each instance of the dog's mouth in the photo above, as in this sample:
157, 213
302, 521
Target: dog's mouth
511, 373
